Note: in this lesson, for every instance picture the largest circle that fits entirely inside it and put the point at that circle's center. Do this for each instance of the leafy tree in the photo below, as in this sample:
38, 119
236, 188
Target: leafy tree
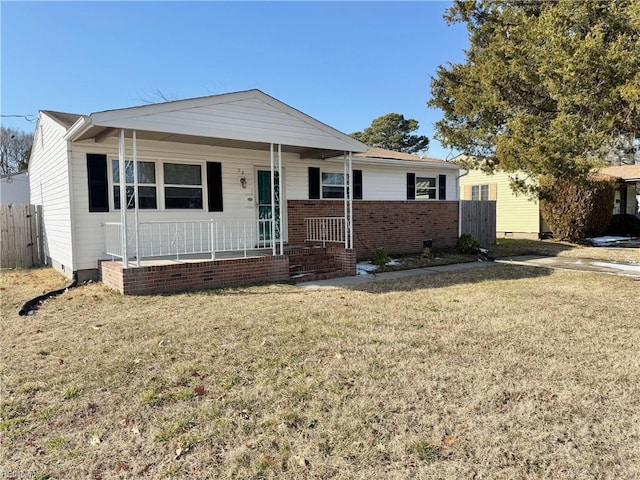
551, 89
393, 132
15, 149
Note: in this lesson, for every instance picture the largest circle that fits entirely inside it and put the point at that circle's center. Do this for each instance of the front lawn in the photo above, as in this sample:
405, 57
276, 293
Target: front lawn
507, 372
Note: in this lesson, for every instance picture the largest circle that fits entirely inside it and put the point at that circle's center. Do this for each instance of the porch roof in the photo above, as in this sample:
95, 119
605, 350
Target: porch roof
249, 119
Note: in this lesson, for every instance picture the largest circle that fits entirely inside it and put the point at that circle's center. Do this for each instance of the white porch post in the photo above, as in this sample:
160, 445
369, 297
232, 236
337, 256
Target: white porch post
123, 199
280, 197
273, 204
350, 201
135, 195
346, 200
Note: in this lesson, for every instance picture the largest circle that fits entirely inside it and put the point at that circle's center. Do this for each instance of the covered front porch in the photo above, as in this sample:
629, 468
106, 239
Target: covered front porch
207, 207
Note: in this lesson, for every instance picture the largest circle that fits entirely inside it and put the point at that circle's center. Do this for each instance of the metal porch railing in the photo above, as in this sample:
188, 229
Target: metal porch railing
325, 230
175, 239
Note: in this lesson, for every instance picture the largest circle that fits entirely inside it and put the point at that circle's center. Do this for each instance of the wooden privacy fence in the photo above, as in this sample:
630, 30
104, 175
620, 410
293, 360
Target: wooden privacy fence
21, 236
479, 219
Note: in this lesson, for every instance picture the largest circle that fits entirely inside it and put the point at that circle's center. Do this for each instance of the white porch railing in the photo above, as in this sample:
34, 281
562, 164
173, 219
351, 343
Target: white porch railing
168, 239
325, 229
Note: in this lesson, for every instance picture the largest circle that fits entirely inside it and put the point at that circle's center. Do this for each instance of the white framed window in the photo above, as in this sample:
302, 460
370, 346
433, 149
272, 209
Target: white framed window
426, 188
147, 189
332, 185
480, 192
183, 187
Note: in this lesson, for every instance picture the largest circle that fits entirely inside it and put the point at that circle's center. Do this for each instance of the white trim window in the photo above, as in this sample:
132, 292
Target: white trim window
147, 190
426, 188
183, 187
480, 192
332, 185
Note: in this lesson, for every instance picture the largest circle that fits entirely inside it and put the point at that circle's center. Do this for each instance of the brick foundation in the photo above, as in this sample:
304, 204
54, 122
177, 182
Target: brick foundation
195, 275
400, 227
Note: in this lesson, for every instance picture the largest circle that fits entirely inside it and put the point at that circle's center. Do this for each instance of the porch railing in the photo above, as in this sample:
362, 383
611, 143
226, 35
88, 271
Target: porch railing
325, 229
169, 239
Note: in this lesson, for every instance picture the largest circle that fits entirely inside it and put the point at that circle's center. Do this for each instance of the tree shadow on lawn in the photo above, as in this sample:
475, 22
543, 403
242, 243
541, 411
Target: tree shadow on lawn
448, 279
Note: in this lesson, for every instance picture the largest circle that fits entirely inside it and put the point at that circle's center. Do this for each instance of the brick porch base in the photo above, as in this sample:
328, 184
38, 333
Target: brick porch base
321, 263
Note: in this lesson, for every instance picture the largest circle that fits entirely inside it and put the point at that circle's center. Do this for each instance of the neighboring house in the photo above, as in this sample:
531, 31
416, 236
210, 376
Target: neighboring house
627, 196
212, 175
14, 189
517, 216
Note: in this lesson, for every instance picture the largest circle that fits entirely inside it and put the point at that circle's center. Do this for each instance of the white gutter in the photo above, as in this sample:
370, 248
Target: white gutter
77, 129
391, 161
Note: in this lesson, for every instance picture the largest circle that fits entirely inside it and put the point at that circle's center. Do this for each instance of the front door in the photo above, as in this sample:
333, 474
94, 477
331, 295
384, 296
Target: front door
264, 205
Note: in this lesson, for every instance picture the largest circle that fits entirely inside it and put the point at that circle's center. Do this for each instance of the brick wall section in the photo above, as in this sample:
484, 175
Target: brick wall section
197, 275
398, 226
345, 259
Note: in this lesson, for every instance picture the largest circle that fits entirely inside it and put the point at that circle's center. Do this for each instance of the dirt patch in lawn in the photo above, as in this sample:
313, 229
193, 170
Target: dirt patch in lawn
492, 373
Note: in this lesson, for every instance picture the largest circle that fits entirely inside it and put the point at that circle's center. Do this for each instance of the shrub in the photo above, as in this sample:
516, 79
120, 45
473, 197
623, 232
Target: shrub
577, 208
380, 257
427, 253
466, 244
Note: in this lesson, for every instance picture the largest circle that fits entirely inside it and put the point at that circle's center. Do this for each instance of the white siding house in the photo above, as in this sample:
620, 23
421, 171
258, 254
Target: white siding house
208, 159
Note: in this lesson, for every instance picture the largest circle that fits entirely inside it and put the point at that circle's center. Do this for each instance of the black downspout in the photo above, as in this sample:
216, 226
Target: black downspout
31, 305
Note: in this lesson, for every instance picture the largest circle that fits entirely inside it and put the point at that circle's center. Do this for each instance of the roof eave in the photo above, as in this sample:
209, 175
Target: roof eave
78, 129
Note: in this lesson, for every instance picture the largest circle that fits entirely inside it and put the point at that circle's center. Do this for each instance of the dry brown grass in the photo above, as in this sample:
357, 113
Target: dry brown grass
505, 372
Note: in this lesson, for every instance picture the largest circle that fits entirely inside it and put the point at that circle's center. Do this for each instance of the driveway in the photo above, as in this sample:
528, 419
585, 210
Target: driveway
576, 264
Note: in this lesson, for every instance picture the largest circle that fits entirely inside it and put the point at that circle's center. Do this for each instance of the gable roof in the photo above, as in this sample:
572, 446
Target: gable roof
230, 119
64, 119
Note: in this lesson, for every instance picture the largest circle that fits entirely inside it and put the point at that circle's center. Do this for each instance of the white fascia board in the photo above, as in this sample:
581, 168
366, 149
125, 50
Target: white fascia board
77, 129
405, 163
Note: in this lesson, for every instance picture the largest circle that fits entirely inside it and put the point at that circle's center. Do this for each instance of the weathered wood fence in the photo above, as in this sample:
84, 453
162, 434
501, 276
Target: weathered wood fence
21, 236
479, 219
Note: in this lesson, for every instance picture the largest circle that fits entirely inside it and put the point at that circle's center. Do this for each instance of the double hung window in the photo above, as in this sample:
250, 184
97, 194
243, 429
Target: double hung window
480, 192
332, 185
426, 188
182, 186
147, 192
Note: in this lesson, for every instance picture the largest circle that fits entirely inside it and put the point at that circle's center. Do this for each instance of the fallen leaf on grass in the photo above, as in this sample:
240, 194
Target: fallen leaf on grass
135, 430
95, 440
199, 390
449, 439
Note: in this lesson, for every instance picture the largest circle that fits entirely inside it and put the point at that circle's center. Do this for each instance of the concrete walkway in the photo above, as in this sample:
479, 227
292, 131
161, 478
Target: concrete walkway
559, 263
576, 265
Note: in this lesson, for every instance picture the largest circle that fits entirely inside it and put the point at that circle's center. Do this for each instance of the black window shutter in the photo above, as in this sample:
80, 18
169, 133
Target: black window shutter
214, 186
357, 184
314, 183
442, 187
98, 185
411, 186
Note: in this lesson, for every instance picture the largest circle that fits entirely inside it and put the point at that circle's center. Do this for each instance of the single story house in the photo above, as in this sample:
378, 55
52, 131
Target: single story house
14, 189
226, 190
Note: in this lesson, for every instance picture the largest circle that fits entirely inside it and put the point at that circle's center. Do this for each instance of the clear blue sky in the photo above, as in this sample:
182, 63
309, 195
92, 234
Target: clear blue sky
344, 63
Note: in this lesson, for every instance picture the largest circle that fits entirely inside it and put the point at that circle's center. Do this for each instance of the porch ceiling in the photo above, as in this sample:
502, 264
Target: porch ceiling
100, 134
